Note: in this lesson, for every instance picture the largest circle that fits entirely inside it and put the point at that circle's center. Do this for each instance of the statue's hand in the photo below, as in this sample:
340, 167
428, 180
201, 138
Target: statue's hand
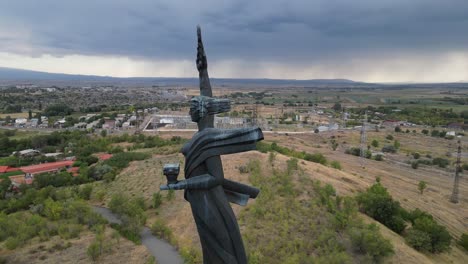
174, 186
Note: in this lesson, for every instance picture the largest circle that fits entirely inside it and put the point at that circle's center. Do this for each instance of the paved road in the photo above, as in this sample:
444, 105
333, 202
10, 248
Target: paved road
160, 249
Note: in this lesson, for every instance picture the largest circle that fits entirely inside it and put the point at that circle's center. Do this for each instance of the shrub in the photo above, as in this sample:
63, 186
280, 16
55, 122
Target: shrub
316, 157
464, 241
85, 192
421, 186
389, 137
157, 200
378, 204
94, 250
160, 229
416, 155
414, 165
439, 236
121, 160
389, 149
379, 157
417, 239
12, 243
441, 162
375, 143
336, 165
425, 131
397, 129
369, 241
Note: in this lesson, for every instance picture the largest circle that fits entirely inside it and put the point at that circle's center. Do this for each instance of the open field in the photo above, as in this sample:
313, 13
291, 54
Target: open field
57, 251
143, 178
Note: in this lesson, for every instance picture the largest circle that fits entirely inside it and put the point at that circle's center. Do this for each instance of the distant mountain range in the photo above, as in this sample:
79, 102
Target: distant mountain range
11, 74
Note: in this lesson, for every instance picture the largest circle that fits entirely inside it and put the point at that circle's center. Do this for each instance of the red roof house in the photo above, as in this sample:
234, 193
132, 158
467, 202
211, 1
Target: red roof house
20, 179
103, 156
47, 167
5, 169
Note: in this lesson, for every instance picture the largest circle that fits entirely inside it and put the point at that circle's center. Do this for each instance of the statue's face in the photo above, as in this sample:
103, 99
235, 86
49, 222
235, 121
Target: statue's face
195, 109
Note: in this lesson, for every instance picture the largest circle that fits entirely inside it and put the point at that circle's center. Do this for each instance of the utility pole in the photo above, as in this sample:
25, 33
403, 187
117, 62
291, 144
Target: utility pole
363, 142
454, 198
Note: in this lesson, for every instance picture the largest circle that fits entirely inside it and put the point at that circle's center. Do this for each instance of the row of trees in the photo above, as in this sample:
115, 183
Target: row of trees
423, 234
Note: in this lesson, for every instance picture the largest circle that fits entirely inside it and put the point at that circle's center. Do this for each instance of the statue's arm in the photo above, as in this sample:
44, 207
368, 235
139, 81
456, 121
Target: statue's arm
206, 181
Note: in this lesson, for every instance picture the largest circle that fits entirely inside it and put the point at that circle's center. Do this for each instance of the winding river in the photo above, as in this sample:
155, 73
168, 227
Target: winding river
160, 249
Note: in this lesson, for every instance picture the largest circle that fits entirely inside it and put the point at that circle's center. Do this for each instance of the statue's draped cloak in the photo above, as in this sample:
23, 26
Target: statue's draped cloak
216, 223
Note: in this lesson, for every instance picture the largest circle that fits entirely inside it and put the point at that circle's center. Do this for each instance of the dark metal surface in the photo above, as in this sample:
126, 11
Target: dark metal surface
208, 192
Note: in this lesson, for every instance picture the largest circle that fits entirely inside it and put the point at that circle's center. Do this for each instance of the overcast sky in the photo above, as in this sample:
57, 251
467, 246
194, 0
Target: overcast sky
363, 40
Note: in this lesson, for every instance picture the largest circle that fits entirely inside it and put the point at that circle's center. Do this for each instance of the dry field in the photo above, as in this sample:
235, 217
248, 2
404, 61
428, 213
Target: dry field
142, 178
57, 251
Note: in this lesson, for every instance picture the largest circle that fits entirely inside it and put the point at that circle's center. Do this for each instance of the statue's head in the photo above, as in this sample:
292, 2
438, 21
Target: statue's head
202, 106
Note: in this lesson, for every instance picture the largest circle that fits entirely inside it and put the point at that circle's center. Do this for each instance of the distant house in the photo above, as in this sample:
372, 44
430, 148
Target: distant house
103, 156
108, 124
18, 180
457, 126
5, 169
27, 153
20, 121
46, 167
392, 123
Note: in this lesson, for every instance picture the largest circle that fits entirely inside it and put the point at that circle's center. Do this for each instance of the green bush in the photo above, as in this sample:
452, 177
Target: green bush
370, 242
441, 162
12, 243
85, 192
94, 250
389, 149
160, 229
379, 157
378, 204
417, 239
389, 137
464, 241
336, 165
121, 160
439, 236
157, 200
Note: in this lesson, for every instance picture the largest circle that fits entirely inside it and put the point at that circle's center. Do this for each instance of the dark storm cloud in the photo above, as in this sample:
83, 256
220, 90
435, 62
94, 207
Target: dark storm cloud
277, 31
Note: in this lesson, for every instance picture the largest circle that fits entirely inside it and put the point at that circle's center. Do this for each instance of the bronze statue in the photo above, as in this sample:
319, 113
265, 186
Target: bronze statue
208, 192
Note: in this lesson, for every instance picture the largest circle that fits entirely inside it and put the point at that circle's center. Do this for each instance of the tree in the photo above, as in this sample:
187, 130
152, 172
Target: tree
397, 129
440, 237
4, 186
421, 186
417, 239
30, 114
375, 143
103, 133
464, 239
396, 144
378, 204
337, 107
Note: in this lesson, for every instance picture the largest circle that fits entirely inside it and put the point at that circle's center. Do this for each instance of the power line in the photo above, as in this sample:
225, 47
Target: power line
454, 198
363, 146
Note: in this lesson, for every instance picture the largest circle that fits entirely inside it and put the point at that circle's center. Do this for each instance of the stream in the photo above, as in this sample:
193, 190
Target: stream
160, 249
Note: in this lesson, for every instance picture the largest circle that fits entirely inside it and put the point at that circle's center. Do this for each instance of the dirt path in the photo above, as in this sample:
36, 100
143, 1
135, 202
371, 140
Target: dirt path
160, 249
